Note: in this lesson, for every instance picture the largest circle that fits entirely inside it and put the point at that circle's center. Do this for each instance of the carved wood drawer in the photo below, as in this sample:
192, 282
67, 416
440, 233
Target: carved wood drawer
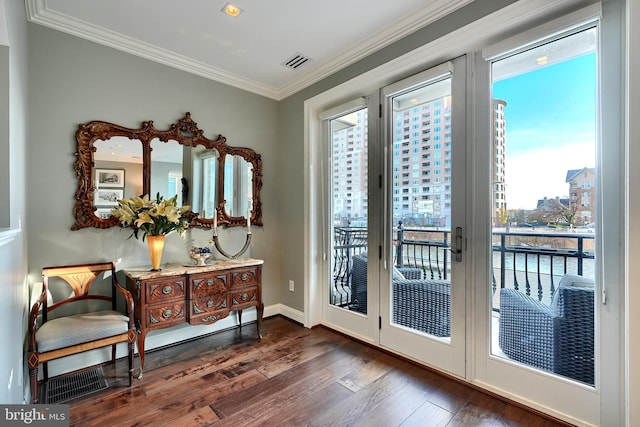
209, 309
163, 315
164, 289
197, 295
244, 277
244, 296
206, 284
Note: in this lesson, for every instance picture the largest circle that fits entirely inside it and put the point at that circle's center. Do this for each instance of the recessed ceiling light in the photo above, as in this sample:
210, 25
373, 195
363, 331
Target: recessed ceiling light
231, 10
542, 60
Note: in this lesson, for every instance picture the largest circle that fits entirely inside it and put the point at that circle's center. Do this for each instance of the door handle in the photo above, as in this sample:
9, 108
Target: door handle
457, 244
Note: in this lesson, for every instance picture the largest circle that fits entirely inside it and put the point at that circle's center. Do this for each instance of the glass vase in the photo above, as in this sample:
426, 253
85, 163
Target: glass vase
156, 245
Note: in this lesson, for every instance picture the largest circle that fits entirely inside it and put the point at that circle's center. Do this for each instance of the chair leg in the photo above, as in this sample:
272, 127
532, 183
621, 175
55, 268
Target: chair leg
131, 356
113, 354
33, 380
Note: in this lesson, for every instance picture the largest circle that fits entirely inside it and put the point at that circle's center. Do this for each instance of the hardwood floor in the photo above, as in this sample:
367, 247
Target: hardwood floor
293, 377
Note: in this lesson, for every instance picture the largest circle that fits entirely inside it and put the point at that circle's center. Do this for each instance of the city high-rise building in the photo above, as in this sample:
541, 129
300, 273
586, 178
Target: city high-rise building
498, 157
349, 155
421, 164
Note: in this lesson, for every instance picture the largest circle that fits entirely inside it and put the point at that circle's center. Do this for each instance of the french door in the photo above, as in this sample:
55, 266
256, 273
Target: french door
539, 270
422, 293
392, 181
350, 293
460, 230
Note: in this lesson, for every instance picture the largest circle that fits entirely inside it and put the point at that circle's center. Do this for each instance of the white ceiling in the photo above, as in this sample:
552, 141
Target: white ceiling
246, 51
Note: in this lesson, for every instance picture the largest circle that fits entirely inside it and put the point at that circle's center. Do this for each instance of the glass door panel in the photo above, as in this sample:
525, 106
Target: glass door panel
348, 210
425, 235
421, 181
544, 193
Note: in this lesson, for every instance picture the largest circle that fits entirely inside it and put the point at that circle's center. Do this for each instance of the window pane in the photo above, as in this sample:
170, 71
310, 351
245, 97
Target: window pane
544, 196
349, 166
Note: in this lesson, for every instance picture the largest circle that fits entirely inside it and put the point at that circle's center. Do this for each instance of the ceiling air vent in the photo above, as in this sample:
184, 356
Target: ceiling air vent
296, 61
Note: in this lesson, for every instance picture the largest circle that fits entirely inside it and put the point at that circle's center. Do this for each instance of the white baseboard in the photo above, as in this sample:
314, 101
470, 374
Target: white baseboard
286, 311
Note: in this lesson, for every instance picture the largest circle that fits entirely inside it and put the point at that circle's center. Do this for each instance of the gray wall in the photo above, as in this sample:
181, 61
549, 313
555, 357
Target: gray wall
73, 81
15, 297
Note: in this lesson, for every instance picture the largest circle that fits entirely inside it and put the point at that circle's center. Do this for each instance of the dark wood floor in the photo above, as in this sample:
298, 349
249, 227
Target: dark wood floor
292, 377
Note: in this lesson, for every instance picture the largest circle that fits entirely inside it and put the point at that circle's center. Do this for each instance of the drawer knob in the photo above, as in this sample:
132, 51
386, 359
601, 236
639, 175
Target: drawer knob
209, 303
167, 290
244, 297
167, 313
244, 277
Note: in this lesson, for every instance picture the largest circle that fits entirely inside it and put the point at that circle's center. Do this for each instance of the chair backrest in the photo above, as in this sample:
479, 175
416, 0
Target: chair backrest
574, 298
83, 296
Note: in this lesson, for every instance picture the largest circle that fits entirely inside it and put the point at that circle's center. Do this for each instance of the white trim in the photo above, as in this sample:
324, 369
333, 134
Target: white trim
4, 34
342, 109
475, 36
632, 205
435, 10
580, 404
546, 32
9, 235
284, 310
421, 79
38, 13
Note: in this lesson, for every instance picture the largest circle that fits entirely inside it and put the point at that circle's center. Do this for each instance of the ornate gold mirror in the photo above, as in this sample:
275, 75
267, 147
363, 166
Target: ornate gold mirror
115, 162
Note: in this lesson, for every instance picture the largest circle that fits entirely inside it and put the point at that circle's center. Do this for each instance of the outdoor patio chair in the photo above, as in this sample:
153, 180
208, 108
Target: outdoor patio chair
558, 338
420, 304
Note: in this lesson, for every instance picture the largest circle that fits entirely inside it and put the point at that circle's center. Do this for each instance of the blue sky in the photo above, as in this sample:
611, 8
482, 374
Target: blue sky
551, 117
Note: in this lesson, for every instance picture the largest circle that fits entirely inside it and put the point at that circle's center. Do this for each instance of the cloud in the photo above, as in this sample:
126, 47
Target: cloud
540, 170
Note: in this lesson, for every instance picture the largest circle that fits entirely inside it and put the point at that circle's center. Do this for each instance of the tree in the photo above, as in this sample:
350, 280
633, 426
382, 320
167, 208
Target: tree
502, 216
569, 213
517, 215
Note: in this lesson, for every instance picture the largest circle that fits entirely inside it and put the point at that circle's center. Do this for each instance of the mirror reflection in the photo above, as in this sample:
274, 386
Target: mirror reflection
168, 170
115, 162
204, 182
117, 172
238, 186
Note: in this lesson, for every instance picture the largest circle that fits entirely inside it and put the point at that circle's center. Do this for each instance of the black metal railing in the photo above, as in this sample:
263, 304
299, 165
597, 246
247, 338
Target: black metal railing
534, 262
426, 249
531, 262
347, 242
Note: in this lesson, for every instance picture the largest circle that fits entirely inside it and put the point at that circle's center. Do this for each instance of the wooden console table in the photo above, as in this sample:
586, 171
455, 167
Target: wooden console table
195, 295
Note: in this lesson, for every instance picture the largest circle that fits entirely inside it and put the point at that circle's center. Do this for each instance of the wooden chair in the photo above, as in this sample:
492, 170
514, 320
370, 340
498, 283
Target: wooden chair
81, 322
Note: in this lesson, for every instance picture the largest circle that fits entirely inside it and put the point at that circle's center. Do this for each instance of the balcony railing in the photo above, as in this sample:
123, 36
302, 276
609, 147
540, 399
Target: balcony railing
531, 262
347, 242
534, 262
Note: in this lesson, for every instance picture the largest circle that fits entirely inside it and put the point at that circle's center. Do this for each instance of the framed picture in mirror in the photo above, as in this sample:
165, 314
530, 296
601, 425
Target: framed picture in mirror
109, 178
103, 213
107, 196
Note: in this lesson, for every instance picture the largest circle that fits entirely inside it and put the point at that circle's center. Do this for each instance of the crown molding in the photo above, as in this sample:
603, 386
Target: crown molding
431, 13
37, 12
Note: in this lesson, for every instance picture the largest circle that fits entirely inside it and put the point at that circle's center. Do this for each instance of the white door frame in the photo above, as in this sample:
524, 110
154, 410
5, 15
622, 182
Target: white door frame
445, 354
506, 21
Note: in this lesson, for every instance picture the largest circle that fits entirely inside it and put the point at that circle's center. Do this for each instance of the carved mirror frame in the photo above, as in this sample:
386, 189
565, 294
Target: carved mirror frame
186, 133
